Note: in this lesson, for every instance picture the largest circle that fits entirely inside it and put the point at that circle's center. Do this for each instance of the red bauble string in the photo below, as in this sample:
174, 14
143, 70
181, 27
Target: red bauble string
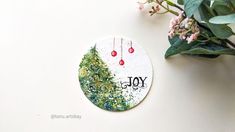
131, 49
114, 53
121, 62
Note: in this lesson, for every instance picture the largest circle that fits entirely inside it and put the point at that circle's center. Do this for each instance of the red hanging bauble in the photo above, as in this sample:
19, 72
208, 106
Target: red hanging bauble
131, 50
121, 62
114, 53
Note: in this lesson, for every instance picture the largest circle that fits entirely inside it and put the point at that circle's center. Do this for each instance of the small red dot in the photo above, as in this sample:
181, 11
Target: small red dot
114, 53
131, 50
121, 62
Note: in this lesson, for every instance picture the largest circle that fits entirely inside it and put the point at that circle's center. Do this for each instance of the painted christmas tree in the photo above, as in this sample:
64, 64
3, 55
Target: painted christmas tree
97, 82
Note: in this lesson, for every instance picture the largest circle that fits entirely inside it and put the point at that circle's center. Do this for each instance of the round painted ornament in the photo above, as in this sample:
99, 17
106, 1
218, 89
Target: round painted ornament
115, 74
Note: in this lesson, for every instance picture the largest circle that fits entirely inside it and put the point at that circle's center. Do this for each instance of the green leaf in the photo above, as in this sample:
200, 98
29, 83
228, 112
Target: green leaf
222, 8
223, 19
175, 40
220, 31
210, 49
233, 2
181, 2
205, 12
196, 48
197, 16
191, 6
177, 46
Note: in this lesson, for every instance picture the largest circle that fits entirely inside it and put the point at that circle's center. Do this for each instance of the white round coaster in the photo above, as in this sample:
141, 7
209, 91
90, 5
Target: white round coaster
115, 74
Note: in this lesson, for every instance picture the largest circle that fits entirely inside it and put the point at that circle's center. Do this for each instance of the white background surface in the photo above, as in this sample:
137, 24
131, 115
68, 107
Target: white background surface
42, 42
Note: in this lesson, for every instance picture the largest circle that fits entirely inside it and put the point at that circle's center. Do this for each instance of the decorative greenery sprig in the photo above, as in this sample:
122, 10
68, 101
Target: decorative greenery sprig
200, 28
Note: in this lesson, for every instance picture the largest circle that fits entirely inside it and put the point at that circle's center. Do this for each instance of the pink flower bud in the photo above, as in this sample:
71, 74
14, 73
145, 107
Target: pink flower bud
141, 5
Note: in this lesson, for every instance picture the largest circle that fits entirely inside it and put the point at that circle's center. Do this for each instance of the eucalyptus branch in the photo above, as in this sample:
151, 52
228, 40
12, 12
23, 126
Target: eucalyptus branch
225, 40
185, 27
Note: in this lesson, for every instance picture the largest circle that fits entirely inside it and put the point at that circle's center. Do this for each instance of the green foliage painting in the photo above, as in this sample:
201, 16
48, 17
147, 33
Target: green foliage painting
97, 83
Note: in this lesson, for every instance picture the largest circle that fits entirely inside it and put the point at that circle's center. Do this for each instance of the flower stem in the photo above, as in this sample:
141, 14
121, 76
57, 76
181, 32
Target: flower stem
215, 40
162, 12
174, 5
168, 9
211, 39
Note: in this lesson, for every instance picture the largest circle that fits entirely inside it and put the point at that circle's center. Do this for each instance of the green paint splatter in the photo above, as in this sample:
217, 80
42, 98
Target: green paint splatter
97, 83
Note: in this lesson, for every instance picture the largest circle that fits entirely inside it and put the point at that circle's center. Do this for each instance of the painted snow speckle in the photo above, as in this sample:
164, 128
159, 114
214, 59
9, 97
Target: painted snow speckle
115, 74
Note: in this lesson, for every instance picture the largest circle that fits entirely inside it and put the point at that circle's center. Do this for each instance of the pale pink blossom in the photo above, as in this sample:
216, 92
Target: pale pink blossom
141, 5
182, 36
171, 34
175, 21
172, 23
179, 18
192, 37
